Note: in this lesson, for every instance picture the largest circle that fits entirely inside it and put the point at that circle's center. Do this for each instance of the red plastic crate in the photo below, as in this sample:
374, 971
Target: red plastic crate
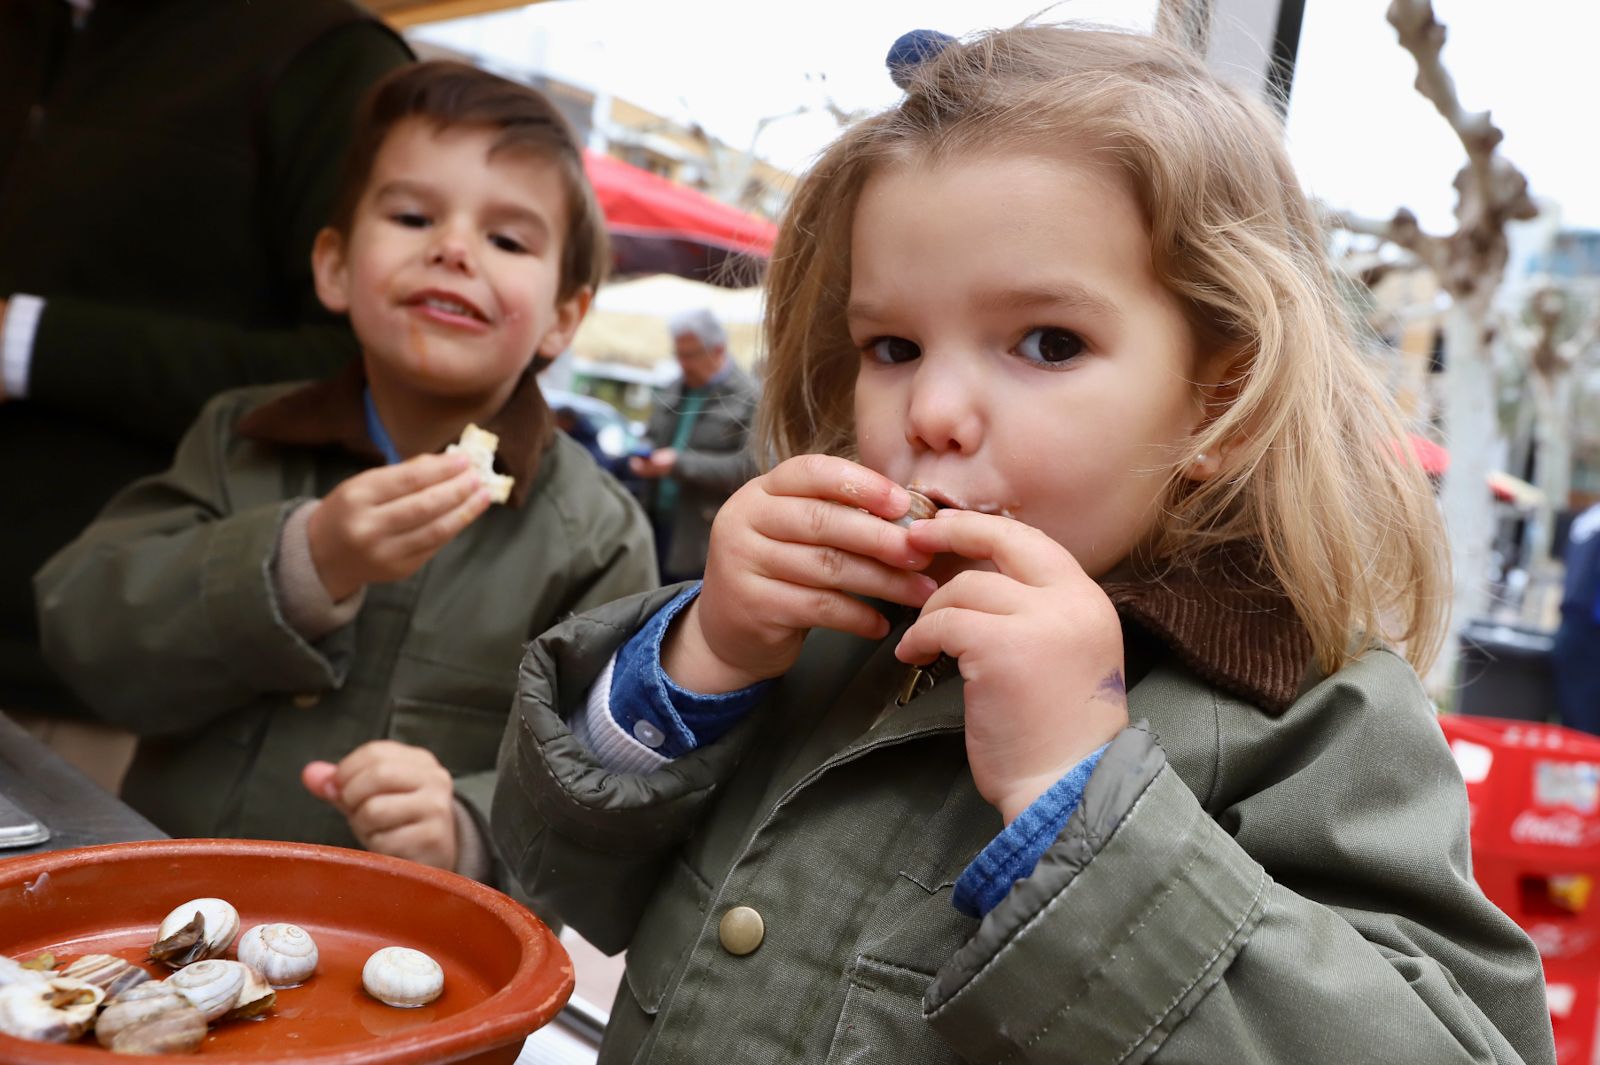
1534, 793
1573, 991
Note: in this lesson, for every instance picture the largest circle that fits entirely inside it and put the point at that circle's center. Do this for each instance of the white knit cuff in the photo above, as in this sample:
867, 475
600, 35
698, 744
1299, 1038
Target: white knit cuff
601, 736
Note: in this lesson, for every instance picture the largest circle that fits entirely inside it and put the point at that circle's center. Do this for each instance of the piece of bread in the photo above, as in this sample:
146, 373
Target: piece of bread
479, 446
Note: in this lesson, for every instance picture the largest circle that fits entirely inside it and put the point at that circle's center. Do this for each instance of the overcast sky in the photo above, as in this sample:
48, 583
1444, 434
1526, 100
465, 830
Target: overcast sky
1362, 138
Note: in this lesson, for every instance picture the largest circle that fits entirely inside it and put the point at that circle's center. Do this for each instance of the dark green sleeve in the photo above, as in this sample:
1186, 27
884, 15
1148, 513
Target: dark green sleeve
151, 372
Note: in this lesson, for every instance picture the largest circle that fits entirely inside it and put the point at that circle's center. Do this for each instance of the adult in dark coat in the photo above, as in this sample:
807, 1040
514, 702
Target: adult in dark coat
700, 429
1576, 657
164, 166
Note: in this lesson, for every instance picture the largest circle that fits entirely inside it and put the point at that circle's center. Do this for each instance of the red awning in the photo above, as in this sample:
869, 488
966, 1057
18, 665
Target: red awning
658, 227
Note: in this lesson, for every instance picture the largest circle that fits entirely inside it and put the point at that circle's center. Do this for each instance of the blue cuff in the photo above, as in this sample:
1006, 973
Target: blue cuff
648, 706
1012, 854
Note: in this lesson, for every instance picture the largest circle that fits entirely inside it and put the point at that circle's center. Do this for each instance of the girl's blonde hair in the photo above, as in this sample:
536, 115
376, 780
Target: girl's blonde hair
1314, 467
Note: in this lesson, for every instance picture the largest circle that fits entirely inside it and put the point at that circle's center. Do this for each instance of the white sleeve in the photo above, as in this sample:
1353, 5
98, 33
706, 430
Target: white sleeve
601, 736
21, 325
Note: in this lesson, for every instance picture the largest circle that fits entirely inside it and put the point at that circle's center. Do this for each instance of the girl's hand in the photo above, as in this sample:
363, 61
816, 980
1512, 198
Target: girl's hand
398, 799
789, 551
383, 524
1040, 648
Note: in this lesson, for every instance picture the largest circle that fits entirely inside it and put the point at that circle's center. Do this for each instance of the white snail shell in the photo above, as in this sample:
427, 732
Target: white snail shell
136, 1006
57, 1010
211, 986
14, 972
283, 953
220, 926
400, 976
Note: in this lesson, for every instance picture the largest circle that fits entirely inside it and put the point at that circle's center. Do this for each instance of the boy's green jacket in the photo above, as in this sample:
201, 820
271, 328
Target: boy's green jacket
162, 616
1240, 884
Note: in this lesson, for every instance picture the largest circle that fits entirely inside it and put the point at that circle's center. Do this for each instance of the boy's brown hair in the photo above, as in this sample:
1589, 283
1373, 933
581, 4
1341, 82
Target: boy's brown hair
450, 95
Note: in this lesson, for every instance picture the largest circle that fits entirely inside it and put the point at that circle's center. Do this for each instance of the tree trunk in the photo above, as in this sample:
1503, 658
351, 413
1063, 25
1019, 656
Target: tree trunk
1471, 429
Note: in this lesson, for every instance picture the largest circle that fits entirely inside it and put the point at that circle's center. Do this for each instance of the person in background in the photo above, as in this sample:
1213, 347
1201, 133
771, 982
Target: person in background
700, 429
1576, 655
314, 595
164, 166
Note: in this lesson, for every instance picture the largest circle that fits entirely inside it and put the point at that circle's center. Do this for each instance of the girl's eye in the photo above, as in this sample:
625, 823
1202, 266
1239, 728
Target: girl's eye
508, 244
889, 350
409, 219
1051, 346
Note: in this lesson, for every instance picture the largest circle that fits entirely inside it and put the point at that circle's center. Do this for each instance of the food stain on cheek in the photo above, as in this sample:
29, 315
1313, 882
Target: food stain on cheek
419, 347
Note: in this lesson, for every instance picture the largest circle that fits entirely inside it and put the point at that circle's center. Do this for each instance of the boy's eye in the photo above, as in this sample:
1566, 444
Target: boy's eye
890, 350
1051, 346
410, 219
509, 244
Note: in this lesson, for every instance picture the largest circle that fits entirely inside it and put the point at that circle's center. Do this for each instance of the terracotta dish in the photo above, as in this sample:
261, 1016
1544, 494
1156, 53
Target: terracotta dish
506, 974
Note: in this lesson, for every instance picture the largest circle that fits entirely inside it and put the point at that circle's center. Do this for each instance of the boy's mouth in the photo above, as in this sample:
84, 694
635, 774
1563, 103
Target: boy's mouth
446, 305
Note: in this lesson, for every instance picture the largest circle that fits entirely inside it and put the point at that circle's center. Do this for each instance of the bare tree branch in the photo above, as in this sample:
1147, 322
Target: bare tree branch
1402, 230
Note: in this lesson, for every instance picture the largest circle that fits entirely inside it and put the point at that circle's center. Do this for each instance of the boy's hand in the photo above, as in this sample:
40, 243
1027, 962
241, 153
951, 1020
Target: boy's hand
1039, 646
383, 524
789, 551
659, 463
398, 799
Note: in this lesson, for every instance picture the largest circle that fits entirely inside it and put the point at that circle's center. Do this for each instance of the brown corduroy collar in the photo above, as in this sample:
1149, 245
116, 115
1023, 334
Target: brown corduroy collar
1228, 619
331, 413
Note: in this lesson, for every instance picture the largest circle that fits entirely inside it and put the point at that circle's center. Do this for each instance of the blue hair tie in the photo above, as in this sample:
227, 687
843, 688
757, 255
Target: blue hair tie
910, 50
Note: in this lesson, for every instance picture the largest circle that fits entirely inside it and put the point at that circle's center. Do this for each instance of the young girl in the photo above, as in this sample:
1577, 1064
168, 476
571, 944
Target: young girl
871, 793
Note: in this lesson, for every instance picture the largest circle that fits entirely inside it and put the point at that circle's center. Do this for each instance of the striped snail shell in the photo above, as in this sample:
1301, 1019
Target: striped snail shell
285, 954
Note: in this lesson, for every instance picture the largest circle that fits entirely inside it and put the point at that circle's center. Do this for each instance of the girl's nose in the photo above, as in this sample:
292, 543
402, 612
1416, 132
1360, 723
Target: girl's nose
945, 410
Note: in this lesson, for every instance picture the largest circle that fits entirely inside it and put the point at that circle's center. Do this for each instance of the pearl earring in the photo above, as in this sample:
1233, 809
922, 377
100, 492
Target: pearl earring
1200, 457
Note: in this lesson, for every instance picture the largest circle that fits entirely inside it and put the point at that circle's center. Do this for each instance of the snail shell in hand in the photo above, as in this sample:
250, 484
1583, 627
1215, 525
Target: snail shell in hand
400, 976
283, 953
921, 507
199, 929
211, 986
57, 1010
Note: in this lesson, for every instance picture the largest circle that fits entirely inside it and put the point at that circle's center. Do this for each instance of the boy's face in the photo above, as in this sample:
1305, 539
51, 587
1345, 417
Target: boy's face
1019, 355
452, 264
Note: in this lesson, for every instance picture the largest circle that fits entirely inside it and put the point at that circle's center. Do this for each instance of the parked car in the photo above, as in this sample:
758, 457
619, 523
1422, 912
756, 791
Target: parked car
601, 428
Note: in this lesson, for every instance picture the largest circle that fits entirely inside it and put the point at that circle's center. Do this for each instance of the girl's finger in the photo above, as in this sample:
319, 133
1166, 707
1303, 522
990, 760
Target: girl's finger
949, 630
1019, 551
846, 528
984, 591
842, 481
793, 606
831, 568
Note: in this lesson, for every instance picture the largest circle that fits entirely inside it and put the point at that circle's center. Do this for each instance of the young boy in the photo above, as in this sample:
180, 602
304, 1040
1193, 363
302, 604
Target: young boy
313, 593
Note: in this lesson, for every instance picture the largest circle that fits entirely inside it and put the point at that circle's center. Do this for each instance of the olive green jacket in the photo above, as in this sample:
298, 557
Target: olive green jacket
1236, 885
163, 617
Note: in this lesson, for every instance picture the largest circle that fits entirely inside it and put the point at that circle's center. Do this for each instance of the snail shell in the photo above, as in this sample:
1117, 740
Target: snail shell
58, 1010
255, 997
199, 929
921, 507
138, 1005
212, 986
283, 953
179, 1030
108, 972
14, 972
400, 976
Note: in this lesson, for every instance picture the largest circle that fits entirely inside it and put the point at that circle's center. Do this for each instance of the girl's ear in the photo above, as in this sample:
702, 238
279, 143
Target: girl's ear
569, 315
330, 270
1221, 380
